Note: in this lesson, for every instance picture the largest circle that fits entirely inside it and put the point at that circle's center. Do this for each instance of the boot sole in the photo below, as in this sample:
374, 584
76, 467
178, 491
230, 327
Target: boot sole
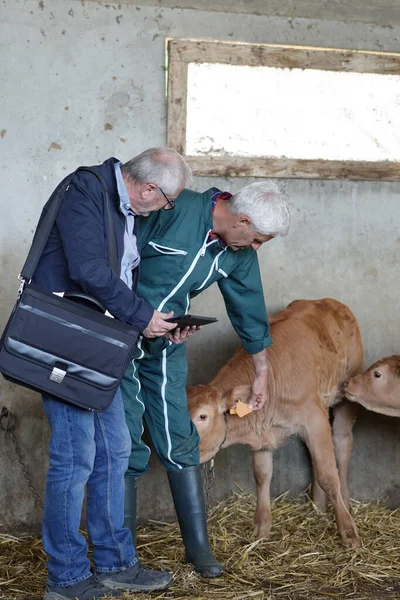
206, 575
209, 575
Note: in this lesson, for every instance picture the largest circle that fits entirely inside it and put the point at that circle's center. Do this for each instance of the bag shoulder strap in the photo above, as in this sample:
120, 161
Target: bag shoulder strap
111, 241
47, 221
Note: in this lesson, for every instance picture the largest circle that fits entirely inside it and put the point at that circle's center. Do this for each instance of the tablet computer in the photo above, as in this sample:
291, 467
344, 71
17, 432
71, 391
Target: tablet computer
190, 320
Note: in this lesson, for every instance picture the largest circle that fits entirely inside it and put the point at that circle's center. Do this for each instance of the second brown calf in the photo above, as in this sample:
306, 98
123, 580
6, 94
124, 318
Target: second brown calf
378, 388
316, 348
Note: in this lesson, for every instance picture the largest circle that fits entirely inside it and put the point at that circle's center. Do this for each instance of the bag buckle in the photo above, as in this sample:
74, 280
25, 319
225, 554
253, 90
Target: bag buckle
58, 373
21, 285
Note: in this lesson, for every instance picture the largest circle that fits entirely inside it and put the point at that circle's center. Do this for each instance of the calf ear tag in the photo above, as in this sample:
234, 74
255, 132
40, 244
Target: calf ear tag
241, 409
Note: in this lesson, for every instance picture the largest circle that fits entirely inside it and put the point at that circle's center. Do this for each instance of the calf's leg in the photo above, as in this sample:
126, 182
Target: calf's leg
263, 469
318, 437
320, 499
345, 416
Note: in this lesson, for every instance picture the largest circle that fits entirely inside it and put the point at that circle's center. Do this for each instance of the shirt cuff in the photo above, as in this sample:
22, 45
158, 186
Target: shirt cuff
258, 346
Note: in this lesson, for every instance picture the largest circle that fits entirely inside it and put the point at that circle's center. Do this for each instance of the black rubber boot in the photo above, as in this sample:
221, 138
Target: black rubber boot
187, 493
130, 506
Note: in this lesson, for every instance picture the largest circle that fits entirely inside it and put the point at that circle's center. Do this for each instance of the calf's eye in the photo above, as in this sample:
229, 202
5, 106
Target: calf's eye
377, 374
202, 417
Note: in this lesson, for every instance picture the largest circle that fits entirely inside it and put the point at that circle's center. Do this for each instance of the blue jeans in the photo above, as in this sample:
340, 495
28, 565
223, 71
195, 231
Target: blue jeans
86, 449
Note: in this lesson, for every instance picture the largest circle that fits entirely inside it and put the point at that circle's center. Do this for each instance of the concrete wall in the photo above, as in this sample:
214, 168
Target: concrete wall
84, 81
384, 12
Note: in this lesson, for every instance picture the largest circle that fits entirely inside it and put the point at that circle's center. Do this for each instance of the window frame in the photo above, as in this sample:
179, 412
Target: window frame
181, 52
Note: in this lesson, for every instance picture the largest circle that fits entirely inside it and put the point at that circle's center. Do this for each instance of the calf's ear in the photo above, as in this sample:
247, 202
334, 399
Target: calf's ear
240, 392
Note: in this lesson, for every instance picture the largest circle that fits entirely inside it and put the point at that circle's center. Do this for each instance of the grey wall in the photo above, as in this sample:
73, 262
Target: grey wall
384, 12
85, 81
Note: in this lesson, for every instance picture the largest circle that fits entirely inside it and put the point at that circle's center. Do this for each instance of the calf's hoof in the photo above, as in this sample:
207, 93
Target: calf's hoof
262, 531
351, 539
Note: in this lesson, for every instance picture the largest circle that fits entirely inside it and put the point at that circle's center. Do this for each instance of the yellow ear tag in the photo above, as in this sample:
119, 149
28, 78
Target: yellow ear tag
241, 409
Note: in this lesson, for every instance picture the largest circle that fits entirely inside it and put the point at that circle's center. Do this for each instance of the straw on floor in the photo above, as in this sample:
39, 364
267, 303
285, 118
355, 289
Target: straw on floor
303, 559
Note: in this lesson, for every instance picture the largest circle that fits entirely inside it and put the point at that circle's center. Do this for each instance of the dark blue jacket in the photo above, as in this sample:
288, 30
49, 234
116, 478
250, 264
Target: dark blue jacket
75, 256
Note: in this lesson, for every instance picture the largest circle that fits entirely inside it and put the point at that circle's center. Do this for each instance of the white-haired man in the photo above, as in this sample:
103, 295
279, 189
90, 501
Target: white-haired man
86, 448
210, 237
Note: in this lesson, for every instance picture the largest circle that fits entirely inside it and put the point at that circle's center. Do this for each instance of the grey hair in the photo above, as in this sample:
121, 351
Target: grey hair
265, 205
162, 166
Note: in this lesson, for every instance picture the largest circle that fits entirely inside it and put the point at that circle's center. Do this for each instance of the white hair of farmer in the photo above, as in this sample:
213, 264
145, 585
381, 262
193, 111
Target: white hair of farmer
265, 205
162, 166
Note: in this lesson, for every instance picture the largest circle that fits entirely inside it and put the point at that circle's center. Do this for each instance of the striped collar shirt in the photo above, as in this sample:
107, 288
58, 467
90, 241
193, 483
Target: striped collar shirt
130, 258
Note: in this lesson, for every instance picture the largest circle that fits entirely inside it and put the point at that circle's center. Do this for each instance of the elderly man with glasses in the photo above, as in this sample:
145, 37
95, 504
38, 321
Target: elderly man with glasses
209, 237
90, 449
171, 202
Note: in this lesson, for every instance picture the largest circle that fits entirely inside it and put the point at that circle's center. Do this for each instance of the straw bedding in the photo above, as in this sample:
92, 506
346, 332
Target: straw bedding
303, 559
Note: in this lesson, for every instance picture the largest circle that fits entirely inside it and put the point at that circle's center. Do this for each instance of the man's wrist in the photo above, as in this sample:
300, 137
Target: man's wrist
261, 371
260, 362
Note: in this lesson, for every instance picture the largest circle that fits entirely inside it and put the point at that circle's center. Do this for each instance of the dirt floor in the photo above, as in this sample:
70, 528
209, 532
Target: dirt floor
303, 559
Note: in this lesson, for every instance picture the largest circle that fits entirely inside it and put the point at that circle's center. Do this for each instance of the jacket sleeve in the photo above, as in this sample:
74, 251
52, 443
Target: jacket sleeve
80, 222
244, 300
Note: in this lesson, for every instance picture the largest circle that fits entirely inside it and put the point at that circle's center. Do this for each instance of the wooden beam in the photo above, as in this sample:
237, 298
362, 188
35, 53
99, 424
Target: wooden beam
236, 166
290, 57
177, 100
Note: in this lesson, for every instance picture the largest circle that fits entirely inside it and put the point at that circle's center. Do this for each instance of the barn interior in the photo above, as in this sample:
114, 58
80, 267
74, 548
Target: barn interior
84, 80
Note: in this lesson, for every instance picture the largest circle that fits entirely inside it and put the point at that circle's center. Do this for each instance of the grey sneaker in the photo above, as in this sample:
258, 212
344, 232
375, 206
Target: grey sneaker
90, 589
136, 579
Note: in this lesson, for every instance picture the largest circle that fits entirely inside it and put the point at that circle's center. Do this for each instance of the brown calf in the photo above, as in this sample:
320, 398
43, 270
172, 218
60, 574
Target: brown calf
316, 348
378, 389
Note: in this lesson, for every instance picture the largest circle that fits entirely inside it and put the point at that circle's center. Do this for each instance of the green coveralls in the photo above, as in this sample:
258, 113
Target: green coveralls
179, 261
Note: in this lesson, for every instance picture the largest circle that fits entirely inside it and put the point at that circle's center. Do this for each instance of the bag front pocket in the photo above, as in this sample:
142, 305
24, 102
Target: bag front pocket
81, 341
73, 369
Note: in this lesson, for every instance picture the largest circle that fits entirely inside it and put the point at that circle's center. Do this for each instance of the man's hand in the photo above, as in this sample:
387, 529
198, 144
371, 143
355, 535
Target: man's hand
178, 336
158, 326
259, 391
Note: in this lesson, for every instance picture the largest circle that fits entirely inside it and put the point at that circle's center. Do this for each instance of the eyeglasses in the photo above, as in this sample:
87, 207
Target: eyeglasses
171, 202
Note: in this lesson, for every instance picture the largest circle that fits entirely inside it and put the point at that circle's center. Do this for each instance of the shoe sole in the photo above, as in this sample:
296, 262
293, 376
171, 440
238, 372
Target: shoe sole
129, 587
55, 596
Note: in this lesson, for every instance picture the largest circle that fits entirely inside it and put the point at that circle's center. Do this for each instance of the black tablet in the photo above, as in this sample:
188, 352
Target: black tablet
190, 320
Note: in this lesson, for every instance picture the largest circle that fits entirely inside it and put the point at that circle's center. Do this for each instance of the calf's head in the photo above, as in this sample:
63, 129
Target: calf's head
209, 409
378, 388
